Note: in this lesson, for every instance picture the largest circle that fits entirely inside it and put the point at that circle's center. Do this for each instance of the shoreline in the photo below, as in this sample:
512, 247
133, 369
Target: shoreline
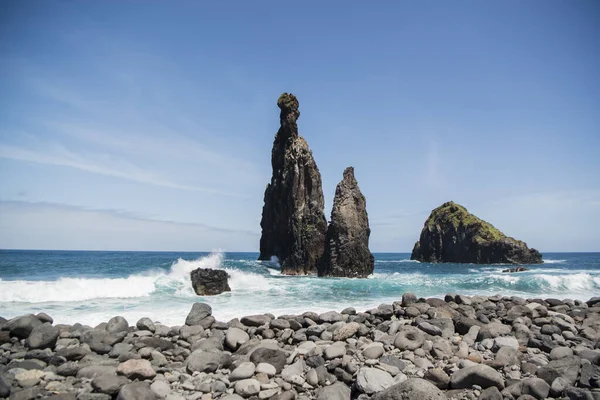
460, 347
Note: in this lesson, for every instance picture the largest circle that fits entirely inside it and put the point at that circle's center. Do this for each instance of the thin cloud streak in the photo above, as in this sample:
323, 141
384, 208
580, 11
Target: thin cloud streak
126, 170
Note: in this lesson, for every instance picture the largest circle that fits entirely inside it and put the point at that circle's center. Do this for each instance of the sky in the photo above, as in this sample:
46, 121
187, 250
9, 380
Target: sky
149, 126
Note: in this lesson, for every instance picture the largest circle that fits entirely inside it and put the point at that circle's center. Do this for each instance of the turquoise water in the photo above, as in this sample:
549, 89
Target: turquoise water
91, 287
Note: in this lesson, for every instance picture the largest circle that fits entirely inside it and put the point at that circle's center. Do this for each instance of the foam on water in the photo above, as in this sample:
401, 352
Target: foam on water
163, 291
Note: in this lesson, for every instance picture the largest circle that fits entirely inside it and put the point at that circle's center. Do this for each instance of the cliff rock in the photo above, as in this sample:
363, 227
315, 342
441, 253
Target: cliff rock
208, 282
293, 221
347, 243
452, 234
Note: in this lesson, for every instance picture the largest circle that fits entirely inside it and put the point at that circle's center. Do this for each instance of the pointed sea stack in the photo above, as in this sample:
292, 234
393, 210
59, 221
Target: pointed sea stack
293, 219
452, 234
347, 244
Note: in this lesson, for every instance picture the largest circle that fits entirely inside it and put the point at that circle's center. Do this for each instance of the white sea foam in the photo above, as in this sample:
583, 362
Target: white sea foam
176, 279
76, 289
550, 261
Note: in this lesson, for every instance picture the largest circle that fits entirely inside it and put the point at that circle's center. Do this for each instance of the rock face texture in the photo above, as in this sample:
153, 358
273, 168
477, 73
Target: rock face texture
452, 234
347, 242
208, 282
293, 221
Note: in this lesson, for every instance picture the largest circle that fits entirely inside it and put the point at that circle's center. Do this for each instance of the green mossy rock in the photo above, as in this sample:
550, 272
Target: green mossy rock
452, 234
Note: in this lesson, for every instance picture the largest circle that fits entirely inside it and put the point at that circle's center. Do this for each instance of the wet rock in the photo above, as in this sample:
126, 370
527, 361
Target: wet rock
209, 282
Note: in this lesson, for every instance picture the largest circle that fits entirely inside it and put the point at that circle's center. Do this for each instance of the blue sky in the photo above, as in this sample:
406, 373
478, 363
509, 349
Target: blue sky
133, 126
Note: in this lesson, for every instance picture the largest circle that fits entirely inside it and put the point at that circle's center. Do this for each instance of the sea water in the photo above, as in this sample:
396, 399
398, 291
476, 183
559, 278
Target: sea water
92, 287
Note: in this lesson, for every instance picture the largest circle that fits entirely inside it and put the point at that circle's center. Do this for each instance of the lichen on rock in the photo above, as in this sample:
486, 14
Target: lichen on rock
452, 234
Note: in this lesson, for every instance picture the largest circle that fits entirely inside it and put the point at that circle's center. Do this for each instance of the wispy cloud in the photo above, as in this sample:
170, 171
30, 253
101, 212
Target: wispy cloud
103, 164
121, 214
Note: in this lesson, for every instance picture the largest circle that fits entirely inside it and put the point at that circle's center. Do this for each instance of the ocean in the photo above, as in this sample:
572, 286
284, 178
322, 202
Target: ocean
92, 286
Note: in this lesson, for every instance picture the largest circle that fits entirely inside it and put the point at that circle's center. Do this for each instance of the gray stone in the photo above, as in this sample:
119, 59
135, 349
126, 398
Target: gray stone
372, 380
92, 371
411, 389
346, 331
493, 330
4, 386
275, 357
256, 320
109, 384
235, 337
536, 387
438, 377
207, 361
560, 352
136, 369
330, 317
409, 338
429, 328
136, 391
29, 378
43, 336
505, 341
21, 327
280, 324
145, 324
336, 350
491, 393
337, 391
567, 368
117, 324
480, 375
160, 388
244, 371
247, 387
198, 312
408, 299
373, 351
265, 368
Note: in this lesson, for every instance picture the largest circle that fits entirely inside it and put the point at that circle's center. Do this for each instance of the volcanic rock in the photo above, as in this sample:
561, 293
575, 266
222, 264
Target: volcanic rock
452, 234
347, 243
293, 222
208, 282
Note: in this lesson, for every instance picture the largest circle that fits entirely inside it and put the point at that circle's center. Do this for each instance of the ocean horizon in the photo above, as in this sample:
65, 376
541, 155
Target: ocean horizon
90, 287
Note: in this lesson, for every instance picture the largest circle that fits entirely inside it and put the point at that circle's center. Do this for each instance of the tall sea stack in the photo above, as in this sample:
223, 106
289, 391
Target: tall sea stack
293, 221
347, 244
452, 234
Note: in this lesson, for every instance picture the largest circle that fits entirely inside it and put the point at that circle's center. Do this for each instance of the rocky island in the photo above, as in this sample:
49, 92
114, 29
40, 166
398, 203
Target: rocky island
347, 243
459, 347
452, 234
293, 219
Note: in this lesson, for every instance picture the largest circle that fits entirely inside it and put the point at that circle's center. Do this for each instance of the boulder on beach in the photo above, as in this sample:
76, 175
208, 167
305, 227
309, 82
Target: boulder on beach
293, 220
452, 234
209, 282
347, 242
